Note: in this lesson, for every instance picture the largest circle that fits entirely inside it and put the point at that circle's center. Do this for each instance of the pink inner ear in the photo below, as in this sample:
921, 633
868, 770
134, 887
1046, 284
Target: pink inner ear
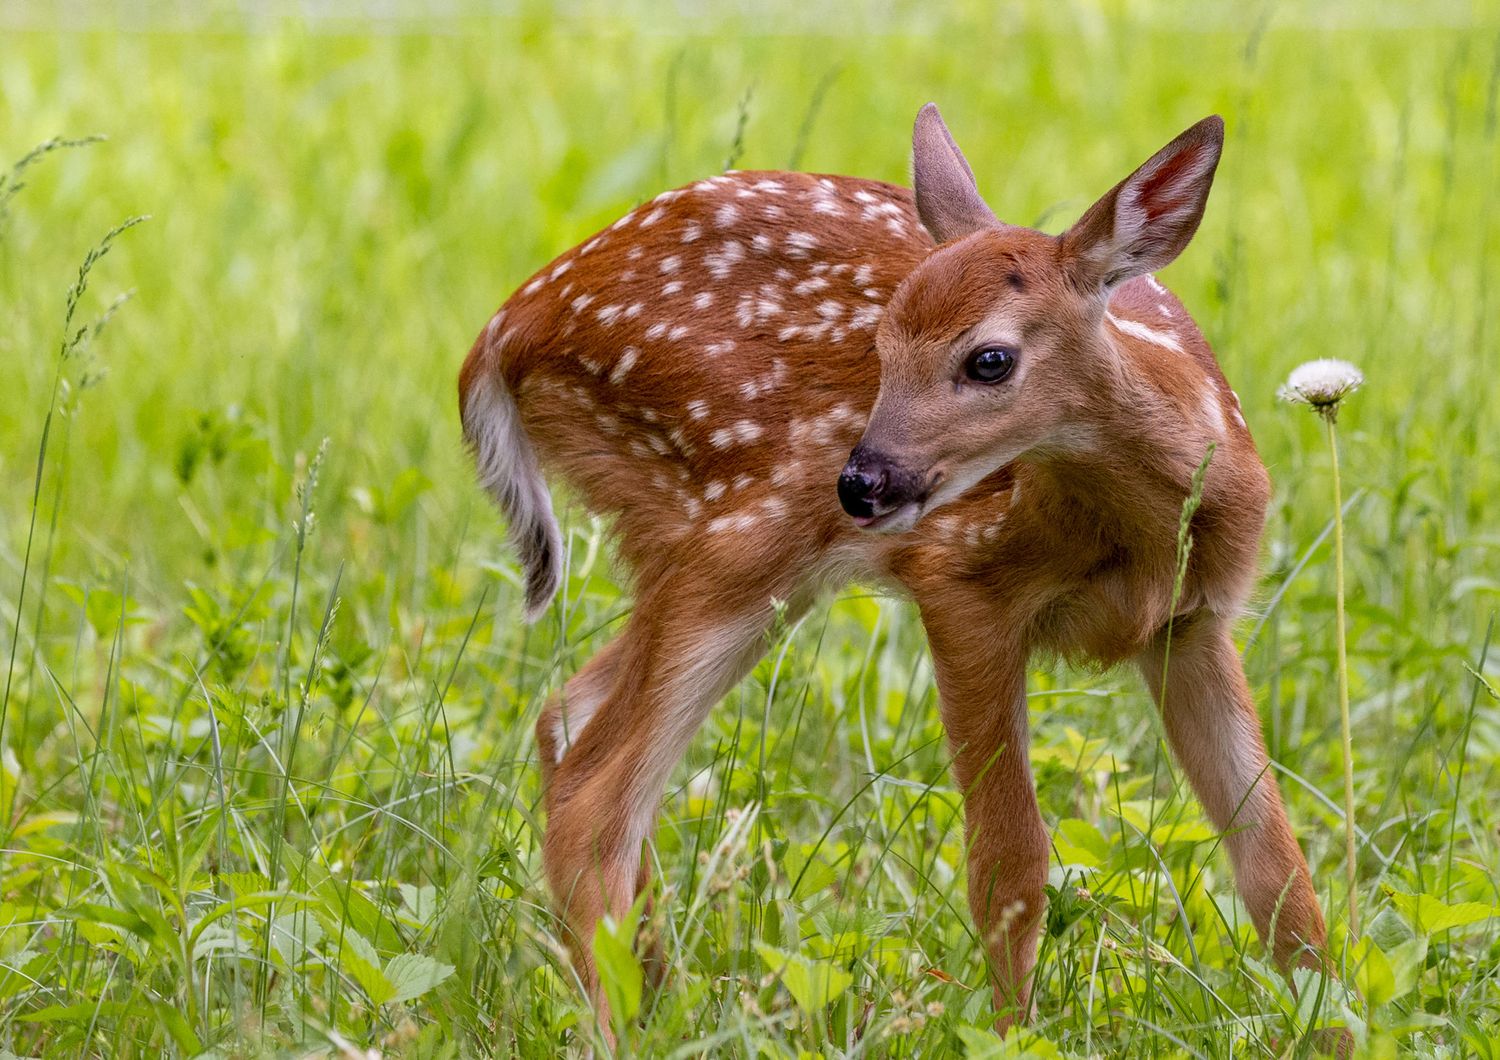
1173, 185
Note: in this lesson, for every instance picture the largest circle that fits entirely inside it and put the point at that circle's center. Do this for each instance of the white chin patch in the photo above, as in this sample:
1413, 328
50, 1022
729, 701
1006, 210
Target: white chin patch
900, 520
961, 481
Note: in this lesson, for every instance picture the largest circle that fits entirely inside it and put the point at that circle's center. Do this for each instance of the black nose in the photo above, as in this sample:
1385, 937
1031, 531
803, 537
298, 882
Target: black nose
862, 484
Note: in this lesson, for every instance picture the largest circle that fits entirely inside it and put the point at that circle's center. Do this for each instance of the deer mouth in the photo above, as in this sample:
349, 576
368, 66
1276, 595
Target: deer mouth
898, 519
902, 515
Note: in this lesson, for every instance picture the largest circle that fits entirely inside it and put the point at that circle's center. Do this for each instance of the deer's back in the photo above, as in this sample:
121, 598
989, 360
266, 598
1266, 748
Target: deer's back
704, 365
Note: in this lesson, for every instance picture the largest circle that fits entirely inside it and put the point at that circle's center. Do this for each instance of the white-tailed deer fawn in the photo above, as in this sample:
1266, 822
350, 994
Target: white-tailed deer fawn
1025, 412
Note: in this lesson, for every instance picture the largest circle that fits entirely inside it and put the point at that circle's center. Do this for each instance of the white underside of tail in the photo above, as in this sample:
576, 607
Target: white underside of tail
509, 470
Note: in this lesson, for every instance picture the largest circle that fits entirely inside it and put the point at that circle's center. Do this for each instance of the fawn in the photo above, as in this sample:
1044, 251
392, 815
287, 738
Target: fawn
777, 382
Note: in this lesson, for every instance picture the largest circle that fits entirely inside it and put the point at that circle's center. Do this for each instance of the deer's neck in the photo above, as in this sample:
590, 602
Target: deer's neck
1129, 482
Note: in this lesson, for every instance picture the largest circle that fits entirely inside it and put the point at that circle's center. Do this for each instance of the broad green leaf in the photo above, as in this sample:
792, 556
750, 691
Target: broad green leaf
619, 969
982, 1044
95, 913
810, 873
813, 984
1373, 974
357, 957
293, 934
356, 942
1080, 843
411, 975
369, 977
1430, 915
245, 882
13, 975
419, 902
1407, 963
1188, 831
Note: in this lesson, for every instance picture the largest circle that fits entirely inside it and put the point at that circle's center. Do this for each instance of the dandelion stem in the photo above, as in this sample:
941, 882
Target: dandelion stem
1343, 678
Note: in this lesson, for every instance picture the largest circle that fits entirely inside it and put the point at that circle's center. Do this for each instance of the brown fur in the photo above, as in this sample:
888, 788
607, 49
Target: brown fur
719, 464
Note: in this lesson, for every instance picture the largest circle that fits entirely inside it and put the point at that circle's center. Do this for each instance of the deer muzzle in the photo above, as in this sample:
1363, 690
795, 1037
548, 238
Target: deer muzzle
881, 494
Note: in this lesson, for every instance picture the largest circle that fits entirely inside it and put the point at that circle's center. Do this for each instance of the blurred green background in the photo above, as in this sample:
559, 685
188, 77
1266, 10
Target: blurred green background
280, 732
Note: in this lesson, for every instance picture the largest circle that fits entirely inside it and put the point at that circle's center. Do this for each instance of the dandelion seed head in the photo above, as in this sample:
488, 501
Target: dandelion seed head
1322, 384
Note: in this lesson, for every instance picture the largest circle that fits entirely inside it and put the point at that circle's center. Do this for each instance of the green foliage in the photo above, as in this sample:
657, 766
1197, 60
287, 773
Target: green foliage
267, 778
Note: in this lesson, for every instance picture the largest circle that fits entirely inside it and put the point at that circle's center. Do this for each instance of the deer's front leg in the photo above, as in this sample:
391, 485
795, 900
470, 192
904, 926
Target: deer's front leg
982, 686
1215, 736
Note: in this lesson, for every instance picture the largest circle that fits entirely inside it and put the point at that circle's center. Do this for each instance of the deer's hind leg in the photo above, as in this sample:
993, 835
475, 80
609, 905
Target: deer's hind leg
687, 642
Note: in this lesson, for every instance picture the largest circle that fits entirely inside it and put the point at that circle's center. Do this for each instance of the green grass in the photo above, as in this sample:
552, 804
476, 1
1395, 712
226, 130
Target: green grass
268, 775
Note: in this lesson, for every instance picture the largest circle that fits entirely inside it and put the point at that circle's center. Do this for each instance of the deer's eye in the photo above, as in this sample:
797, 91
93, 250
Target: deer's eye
990, 364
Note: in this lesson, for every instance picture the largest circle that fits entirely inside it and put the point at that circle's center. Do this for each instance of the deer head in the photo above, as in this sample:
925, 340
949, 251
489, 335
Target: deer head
994, 349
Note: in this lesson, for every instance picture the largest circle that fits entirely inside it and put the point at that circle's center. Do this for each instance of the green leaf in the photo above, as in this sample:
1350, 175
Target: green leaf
95, 913
358, 958
1080, 843
369, 977
1429, 915
812, 984
245, 882
411, 975
13, 975
420, 903
292, 935
619, 970
982, 1044
1408, 960
1373, 974
1182, 832
809, 872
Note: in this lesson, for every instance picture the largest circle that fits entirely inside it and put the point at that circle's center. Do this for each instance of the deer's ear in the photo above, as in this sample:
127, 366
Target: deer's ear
1147, 219
947, 198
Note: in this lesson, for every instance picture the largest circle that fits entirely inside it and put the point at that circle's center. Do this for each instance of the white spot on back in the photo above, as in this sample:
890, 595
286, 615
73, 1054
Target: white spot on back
719, 262
624, 364
800, 244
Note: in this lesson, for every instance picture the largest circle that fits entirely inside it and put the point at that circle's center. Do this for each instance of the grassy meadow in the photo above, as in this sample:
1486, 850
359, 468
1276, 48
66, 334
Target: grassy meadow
267, 772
